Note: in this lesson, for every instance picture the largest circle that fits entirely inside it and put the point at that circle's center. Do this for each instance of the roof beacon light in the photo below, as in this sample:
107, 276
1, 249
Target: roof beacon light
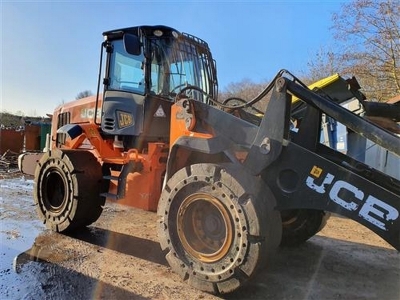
158, 32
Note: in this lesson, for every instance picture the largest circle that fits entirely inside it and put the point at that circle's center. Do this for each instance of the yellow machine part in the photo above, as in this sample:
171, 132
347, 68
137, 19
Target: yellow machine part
324, 82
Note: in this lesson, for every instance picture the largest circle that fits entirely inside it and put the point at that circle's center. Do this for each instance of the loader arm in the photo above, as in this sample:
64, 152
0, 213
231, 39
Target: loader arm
302, 173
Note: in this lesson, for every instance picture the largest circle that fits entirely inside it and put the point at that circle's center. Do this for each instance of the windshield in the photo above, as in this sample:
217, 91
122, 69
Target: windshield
176, 64
126, 70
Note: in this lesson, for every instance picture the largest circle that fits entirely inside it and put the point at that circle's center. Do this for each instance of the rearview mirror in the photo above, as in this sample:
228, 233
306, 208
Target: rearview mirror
132, 44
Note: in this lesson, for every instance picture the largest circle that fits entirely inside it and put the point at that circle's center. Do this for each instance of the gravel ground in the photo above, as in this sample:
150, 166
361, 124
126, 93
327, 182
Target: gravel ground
119, 257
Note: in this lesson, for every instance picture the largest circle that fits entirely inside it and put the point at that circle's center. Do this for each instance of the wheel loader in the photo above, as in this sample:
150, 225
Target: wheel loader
229, 185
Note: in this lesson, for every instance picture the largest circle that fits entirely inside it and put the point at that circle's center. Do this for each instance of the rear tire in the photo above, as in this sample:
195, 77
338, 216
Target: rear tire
67, 189
299, 225
218, 226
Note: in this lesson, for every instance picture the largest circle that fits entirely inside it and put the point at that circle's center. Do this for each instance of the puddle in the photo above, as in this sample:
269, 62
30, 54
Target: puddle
15, 238
34, 261
44, 272
18, 230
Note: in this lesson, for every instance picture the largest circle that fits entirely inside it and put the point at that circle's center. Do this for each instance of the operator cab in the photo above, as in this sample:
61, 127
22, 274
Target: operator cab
146, 68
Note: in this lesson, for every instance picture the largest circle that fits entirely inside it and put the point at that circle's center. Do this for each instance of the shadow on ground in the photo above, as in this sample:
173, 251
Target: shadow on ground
39, 278
322, 268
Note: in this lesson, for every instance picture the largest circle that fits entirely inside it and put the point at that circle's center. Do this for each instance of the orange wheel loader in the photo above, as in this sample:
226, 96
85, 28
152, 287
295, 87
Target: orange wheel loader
228, 191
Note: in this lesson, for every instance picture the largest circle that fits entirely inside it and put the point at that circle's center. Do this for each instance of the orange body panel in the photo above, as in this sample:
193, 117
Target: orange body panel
143, 188
80, 111
183, 121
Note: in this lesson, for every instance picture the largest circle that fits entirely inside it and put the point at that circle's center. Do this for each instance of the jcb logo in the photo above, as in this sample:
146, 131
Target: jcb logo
351, 198
124, 119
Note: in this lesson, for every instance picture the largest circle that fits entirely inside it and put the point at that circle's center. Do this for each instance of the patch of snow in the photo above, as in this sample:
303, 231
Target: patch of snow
17, 184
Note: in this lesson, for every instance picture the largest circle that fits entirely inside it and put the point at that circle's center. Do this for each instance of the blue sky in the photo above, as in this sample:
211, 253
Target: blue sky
50, 49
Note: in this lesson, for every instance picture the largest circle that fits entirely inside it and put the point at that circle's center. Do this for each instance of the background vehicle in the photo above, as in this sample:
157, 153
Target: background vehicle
228, 190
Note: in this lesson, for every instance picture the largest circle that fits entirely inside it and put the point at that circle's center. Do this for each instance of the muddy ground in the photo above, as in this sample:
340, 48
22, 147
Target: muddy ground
118, 257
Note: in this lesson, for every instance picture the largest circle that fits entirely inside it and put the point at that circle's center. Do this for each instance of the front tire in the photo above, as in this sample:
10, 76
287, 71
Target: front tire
67, 189
218, 226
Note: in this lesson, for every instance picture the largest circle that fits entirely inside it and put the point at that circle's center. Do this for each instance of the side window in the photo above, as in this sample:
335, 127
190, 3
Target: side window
156, 79
181, 74
126, 70
189, 72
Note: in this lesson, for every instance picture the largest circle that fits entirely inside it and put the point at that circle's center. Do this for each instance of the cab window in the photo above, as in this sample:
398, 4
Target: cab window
126, 70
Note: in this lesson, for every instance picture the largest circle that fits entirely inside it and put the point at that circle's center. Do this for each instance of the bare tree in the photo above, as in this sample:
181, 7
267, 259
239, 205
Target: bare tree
369, 36
246, 90
84, 94
324, 63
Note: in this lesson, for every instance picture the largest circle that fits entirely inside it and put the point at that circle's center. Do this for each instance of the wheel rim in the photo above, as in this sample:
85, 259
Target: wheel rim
54, 192
204, 227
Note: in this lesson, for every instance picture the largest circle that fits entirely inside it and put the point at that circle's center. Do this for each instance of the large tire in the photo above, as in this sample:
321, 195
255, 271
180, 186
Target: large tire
218, 226
67, 189
299, 225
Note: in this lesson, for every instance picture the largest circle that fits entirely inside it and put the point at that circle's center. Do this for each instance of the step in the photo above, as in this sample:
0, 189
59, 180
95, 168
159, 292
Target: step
110, 177
110, 196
